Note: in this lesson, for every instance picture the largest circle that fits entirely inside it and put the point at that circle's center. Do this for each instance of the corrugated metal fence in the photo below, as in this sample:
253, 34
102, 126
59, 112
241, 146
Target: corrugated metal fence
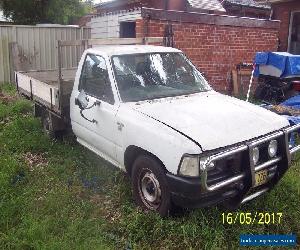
37, 47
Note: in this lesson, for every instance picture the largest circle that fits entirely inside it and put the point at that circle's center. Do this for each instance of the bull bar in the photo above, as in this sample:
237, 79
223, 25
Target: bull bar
289, 151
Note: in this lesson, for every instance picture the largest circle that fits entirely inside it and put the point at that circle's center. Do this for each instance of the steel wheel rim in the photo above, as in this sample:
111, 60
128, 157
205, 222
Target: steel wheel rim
149, 189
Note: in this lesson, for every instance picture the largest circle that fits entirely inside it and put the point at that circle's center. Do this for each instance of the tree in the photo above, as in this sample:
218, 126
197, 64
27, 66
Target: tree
66, 11
44, 11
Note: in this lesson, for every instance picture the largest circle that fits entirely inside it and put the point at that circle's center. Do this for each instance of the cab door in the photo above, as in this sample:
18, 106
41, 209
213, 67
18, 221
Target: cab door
95, 127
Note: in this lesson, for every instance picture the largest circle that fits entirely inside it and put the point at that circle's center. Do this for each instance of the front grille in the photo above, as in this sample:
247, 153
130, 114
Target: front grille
272, 172
263, 152
233, 172
233, 165
225, 169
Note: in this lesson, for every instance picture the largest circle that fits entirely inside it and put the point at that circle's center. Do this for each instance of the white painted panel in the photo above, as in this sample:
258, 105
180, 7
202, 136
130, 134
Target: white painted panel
132, 16
24, 82
108, 26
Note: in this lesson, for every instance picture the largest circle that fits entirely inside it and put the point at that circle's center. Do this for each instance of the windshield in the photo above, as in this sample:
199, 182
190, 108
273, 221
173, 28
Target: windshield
157, 75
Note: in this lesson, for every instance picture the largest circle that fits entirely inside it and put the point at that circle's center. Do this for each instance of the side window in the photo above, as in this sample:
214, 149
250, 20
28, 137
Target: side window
94, 79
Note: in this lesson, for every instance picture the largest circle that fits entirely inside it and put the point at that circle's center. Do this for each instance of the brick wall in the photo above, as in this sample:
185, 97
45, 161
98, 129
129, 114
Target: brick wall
282, 12
216, 49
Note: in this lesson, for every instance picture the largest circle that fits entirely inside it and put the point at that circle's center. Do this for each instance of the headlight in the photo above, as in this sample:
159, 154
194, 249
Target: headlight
255, 155
272, 149
190, 166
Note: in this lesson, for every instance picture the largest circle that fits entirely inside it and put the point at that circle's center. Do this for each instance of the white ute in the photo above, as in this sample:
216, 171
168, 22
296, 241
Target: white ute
150, 112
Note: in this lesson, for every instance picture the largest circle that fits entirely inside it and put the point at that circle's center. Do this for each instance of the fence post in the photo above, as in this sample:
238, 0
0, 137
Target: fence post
14, 60
13, 55
82, 33
14, 34
59, 61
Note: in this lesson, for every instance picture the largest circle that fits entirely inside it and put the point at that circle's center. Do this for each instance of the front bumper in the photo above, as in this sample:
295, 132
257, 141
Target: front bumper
240, 188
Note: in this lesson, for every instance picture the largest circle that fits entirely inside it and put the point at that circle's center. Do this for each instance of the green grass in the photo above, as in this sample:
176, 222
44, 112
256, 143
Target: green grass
57, 195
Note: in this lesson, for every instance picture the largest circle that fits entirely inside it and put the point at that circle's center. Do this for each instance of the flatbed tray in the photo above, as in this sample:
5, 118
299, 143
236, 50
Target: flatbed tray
43, 87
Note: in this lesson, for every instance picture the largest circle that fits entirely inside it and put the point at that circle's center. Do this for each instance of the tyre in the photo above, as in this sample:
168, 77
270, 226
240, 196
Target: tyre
149, 184
47, 126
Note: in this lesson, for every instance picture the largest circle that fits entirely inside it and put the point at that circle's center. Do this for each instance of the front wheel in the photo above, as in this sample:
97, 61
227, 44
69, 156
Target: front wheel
150, 188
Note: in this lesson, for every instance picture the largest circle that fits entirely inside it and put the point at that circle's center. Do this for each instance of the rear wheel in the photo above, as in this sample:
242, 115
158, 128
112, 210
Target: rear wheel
150, 189
49, 126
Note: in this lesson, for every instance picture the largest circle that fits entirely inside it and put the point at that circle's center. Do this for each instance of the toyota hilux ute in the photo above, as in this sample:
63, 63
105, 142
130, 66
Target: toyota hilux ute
149, 111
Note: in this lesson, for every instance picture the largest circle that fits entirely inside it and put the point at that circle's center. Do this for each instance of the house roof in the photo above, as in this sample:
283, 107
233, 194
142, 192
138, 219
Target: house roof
199, 4
207, 5
109, 2
249, 3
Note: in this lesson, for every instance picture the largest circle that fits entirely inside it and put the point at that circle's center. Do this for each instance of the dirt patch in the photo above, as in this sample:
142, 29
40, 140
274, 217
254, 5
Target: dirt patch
108, 209
35, 161
7, 99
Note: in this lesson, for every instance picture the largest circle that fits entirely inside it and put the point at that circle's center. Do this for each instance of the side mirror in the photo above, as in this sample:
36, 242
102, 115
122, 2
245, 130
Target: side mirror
82, 100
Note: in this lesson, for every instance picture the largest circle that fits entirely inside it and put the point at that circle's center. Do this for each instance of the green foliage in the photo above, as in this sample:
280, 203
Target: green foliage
66, 11
44, 11
8, 89
71, 199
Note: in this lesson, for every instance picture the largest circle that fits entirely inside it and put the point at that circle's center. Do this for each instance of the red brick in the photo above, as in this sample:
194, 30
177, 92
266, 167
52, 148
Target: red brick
216, 50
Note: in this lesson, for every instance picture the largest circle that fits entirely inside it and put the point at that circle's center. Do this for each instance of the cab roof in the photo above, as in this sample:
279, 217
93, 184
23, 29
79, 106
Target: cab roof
113, 50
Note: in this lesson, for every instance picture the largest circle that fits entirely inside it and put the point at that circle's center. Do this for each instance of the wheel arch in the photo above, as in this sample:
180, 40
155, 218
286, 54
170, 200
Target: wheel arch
132, 152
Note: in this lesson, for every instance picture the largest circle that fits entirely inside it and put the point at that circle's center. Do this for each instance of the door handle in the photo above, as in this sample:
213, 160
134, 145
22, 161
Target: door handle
83, 116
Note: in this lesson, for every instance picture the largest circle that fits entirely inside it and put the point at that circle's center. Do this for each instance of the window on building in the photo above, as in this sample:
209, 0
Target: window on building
294, 46
127, 30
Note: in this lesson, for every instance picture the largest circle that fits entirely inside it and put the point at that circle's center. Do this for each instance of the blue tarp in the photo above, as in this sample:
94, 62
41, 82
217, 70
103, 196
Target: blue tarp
286, 63
293, 120
293, 102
